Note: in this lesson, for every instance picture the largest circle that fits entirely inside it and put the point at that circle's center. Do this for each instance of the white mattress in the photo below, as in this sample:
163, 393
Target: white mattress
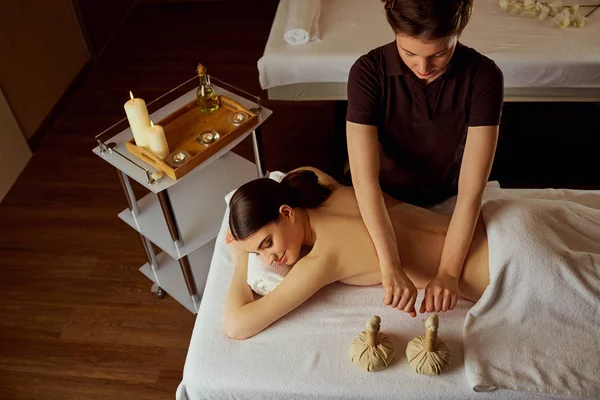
530, 53
305, 354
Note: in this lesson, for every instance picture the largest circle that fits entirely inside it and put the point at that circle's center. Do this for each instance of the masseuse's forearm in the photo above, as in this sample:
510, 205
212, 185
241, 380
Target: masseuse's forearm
363, 152
459, 236
476, 166
377, 220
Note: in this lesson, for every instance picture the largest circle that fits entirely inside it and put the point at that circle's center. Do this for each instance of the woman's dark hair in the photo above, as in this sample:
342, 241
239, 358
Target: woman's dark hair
428, 19
257, 203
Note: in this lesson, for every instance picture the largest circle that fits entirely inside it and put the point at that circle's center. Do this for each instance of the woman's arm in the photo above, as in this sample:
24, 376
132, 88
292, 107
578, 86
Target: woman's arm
441, 293
245, 317
239, 292
363, 152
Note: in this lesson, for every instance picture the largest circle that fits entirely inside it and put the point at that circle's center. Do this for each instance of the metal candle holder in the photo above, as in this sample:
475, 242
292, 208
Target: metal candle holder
238, 118
207, 138
178, 158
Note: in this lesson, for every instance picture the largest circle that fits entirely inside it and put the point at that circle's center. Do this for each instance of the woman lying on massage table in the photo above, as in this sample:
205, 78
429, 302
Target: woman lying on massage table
312, 223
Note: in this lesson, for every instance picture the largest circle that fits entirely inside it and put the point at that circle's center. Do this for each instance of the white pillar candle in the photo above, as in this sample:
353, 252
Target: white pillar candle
157, 141
139, 120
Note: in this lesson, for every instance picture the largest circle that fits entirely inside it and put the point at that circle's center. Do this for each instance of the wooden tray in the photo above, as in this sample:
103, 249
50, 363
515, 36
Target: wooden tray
182, 129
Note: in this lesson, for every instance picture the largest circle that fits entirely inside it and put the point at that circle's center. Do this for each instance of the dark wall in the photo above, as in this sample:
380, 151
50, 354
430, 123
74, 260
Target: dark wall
549, 145
101, 19
41, 52
540, 145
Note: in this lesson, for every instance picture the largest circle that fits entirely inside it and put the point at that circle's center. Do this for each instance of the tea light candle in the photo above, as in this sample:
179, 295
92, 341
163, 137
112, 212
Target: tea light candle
139, 120
157, 141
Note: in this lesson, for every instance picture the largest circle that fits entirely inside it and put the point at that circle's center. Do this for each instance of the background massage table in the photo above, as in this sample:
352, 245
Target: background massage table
539, 62
305, 355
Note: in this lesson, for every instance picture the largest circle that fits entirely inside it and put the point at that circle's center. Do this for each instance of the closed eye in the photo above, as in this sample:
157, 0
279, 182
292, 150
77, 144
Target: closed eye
263, 243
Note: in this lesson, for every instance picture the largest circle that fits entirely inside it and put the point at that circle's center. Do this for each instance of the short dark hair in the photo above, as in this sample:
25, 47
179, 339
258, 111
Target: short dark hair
428, 19
256, 203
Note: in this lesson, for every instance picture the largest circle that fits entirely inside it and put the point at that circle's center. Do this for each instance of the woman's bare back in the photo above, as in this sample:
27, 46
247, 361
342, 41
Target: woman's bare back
340, 250
343, 240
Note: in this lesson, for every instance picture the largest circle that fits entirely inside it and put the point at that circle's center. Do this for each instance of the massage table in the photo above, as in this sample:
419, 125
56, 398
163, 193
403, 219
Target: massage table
539, 62
305, 355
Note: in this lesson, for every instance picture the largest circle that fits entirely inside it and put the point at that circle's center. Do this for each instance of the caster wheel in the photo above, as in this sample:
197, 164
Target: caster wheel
158, 291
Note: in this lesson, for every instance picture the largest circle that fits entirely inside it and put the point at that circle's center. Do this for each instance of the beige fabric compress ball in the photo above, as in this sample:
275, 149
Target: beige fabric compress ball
372, 350
428, 354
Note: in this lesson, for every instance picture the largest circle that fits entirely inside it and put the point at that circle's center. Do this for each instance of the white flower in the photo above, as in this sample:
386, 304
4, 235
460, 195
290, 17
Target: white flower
579, 21
539, 5
529, 5
515, 8
555, 7
562, 20
505, 3
563, 16
556, 4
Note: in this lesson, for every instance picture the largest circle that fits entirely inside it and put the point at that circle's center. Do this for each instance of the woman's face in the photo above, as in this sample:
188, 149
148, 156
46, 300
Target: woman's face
279, 241
427, 59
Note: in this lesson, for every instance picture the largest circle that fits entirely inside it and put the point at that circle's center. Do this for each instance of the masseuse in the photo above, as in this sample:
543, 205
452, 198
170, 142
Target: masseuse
422, 125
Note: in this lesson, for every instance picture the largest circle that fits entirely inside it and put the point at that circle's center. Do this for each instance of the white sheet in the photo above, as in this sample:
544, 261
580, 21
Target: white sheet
542, 303
530, 53
305, 354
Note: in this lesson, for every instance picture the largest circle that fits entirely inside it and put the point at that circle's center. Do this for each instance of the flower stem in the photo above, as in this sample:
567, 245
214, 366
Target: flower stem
593, 9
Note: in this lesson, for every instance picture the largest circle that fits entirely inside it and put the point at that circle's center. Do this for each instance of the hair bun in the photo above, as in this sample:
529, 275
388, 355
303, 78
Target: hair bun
301, 188
257, 203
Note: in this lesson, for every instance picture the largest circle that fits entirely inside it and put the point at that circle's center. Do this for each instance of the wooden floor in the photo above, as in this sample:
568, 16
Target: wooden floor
77, 320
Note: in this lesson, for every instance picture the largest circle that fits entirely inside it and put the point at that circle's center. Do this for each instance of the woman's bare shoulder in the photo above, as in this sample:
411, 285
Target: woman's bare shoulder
316, 268
324, 179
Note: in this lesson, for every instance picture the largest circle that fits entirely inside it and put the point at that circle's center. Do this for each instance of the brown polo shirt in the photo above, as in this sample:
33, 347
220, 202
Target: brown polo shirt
422, 130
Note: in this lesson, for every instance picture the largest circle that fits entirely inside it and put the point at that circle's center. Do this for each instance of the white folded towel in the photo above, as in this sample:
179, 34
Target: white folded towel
263, 278
303, 21
277, 175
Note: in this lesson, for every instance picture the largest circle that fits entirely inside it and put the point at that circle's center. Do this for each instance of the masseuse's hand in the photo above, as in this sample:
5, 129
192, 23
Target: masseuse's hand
441, 294
400, 292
